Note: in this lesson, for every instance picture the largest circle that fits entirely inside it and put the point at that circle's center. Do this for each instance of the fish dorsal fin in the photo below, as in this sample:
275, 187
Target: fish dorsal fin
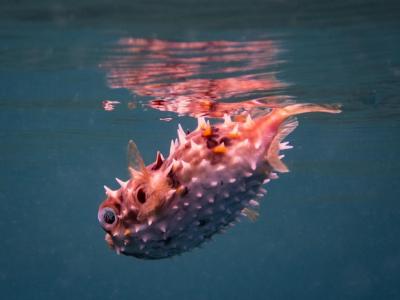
250, 213
135, 160
273, 151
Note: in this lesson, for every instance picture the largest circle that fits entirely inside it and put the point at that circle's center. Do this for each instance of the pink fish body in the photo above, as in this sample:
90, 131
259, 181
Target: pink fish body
211, 177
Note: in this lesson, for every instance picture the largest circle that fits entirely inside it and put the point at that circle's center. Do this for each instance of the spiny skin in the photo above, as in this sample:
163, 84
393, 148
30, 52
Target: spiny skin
211, 177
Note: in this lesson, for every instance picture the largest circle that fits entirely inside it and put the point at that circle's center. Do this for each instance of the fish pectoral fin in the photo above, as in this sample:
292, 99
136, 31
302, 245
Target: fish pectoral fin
273, 151
250, 213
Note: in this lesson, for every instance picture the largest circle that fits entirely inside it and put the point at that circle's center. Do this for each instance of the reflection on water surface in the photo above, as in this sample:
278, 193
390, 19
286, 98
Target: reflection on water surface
197, 78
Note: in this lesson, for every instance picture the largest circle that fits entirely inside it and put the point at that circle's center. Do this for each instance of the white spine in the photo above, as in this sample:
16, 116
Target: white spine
181, 135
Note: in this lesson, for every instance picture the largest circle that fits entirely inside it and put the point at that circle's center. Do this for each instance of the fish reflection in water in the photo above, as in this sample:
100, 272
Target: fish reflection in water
215, 174
198, 78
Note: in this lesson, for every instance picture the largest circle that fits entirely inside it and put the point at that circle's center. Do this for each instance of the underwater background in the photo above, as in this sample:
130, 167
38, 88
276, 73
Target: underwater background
329, 229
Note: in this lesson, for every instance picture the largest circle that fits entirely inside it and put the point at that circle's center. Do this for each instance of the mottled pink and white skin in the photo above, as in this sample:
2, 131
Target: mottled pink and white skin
211, 177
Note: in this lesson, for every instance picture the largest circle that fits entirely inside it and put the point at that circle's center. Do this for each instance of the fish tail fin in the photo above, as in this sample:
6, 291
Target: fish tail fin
302, 108
284, 121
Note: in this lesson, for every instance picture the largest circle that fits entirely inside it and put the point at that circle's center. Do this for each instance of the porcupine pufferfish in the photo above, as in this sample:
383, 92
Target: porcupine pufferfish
211, 177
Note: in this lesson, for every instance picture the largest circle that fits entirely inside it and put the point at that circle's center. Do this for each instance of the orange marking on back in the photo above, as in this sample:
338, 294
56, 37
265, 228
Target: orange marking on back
220, 149
207, 131
234, 135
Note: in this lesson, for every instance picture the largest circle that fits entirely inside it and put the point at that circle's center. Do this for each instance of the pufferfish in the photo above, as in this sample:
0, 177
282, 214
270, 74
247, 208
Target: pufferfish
212, 177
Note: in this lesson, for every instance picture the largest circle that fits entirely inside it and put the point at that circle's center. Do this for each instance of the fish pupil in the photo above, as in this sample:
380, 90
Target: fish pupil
109, 217
141, 196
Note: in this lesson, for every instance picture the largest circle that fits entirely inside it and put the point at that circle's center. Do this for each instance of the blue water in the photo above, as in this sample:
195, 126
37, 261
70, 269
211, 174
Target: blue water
329, 229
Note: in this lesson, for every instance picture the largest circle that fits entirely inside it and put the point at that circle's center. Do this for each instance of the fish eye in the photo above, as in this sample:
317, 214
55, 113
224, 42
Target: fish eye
107, 217
141, 196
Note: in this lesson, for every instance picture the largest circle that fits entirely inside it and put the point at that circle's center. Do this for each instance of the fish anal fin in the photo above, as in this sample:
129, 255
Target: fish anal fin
273, 151
250, 213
